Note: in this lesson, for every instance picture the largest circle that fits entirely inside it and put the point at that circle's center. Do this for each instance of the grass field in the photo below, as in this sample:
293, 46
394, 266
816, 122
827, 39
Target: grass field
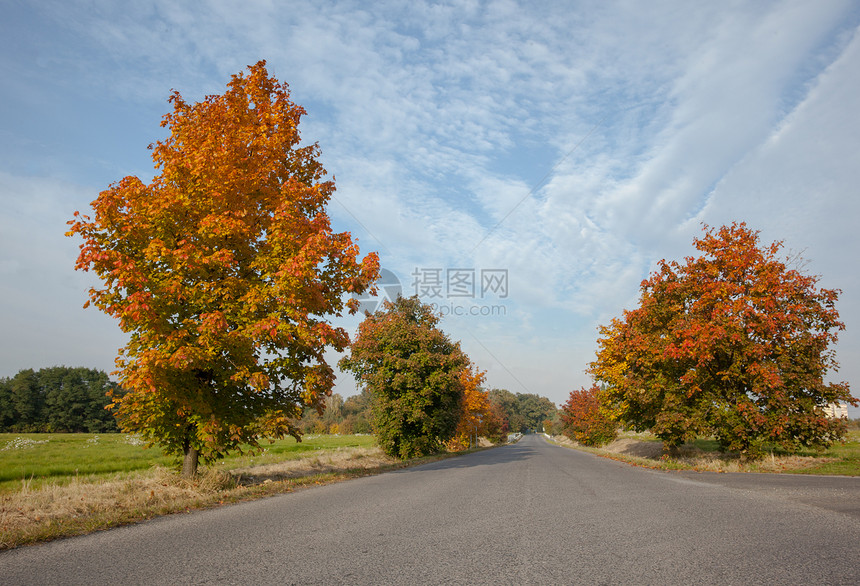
841, 459
58, 458
844, 458
58, 485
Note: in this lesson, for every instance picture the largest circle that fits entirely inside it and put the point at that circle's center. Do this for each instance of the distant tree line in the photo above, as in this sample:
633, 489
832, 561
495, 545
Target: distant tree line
341, 416
515, 412
524, 412
57, 399
66, 399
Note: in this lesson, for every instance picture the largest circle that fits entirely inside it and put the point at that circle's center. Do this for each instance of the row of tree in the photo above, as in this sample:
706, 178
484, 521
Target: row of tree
65, 399
57, 399
516, 412
732, 344
224, 271
424, 392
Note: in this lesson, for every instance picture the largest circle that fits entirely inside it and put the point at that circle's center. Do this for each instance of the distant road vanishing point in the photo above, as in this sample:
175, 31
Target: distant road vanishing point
529, 513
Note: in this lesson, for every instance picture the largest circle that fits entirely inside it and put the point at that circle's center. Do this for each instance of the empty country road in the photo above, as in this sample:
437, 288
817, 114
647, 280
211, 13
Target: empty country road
529, 513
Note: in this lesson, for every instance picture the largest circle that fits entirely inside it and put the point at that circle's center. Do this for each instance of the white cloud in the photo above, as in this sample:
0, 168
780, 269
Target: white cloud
598, 134
799, 186
44, 323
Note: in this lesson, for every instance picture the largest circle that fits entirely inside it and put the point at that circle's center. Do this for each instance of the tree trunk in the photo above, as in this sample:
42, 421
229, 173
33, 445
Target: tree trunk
189, 462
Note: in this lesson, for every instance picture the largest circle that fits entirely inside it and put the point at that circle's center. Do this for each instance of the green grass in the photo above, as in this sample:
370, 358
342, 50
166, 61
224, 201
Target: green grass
70, 484
64, 456
61, 457
289, 449
846, 458
841, 459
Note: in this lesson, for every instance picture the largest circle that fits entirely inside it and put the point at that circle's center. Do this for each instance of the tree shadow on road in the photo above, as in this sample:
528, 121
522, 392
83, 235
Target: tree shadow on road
484, 457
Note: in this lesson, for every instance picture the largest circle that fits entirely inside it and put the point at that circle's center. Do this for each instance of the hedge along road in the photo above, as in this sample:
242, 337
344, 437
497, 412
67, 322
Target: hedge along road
530, 513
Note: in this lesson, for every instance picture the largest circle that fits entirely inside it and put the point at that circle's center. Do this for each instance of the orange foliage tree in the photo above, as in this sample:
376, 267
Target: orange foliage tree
223, 270
477, 417
732, 344
583, 418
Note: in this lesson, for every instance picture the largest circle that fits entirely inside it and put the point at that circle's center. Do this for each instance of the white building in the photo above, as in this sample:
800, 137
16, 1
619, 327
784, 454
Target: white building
837, 410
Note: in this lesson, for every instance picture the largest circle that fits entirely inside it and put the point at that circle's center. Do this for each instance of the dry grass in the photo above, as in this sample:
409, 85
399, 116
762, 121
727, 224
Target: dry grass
31, 515
328, 462
645, 450
51, 510
689, 457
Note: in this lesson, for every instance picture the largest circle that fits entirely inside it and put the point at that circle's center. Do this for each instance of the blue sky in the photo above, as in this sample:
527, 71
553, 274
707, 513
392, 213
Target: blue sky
566, 145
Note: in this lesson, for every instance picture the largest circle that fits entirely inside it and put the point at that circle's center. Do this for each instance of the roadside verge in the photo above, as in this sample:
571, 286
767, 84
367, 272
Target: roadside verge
34, 515
642, 449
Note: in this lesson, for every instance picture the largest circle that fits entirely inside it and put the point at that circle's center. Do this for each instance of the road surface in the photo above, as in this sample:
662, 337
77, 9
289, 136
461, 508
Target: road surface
530, 513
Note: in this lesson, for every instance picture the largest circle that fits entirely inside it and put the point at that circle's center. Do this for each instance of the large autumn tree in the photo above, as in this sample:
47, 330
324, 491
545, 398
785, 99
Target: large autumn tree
224, 271
412, 371
732, 343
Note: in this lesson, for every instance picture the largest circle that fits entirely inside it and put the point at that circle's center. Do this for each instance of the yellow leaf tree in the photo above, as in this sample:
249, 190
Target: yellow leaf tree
224, 271
476, 417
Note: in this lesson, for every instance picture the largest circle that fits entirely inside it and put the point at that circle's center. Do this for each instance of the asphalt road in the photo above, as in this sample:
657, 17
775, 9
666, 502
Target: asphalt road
530, 513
